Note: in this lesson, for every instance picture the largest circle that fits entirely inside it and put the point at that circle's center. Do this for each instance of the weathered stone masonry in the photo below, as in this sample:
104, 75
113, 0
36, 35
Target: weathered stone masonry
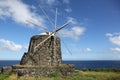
40, 71
49, 53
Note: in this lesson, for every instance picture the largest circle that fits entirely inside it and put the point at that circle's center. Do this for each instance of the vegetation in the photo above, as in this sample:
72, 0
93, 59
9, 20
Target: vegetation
54, 74
84, 74
105, 70
4, 76
85, 69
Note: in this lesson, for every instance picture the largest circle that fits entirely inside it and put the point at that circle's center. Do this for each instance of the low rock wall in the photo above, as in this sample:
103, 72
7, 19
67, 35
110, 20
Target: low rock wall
42, 71
6, 69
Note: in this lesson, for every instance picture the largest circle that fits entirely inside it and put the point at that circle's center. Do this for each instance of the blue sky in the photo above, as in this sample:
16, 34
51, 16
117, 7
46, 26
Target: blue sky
93, 32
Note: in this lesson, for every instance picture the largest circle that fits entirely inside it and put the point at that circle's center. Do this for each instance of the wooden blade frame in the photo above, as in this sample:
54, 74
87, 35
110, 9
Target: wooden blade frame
54, 32
54, 26
44, 28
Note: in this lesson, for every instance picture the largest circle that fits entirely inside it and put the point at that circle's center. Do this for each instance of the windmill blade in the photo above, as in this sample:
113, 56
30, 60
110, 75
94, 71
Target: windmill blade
64, 25
43, 41
54, 25
44, 28
55, 18
66, 47
47, 16
52, 33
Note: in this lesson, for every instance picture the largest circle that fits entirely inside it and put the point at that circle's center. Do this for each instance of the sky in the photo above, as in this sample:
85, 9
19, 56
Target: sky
93, 32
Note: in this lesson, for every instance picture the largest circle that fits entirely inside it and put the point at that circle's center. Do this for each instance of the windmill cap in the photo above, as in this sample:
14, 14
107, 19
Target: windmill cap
46, 33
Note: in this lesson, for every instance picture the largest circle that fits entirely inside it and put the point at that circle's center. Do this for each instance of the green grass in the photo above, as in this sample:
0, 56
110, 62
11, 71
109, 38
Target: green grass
79, 75
88, 75
105, 69
4, 76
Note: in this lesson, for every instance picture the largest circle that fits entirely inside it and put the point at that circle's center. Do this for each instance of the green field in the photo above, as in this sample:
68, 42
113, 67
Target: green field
79, 75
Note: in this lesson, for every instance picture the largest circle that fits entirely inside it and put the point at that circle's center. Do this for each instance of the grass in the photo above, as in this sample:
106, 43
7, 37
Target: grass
4, 76
104, 69
79, 75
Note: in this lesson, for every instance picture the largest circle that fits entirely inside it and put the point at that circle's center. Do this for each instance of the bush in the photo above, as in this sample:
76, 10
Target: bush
54, 74
85, 69
105, 70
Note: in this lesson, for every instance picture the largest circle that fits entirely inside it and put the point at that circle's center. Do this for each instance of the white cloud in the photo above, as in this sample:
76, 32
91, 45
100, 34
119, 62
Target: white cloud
66, 1
114, 38
9, 45
85, 50
75, 32
109, 35
68, 10
54, 2
82, 50
19, 12
72, 20
50, 2
117, 49
88, 49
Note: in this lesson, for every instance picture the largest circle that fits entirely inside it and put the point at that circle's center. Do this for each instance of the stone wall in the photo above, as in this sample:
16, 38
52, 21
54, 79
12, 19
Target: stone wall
43, 71
48, 53
6, 69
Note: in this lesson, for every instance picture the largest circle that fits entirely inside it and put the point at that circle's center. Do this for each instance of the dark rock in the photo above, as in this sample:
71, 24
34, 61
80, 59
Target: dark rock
6, 69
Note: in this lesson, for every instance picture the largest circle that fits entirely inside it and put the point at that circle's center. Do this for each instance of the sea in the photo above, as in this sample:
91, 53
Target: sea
78, 64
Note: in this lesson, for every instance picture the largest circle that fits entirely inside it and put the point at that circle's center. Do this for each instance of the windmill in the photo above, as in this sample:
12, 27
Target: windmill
46, 45
54, 26
44, 54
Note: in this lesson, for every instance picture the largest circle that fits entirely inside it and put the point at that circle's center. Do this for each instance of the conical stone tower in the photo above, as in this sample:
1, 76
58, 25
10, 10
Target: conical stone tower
43, 60
48, 53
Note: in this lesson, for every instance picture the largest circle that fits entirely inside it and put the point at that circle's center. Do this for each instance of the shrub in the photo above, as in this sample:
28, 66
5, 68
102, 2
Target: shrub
106, 69
85, 69
54, 74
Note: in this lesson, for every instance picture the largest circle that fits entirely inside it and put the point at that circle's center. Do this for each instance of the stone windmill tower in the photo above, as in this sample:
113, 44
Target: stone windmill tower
43, 56
44, 49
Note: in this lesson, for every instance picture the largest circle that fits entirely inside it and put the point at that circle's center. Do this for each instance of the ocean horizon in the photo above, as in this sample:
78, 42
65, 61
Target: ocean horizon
79, 64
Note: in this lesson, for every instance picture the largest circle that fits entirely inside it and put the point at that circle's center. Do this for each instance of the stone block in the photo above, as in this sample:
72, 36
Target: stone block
6, 69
